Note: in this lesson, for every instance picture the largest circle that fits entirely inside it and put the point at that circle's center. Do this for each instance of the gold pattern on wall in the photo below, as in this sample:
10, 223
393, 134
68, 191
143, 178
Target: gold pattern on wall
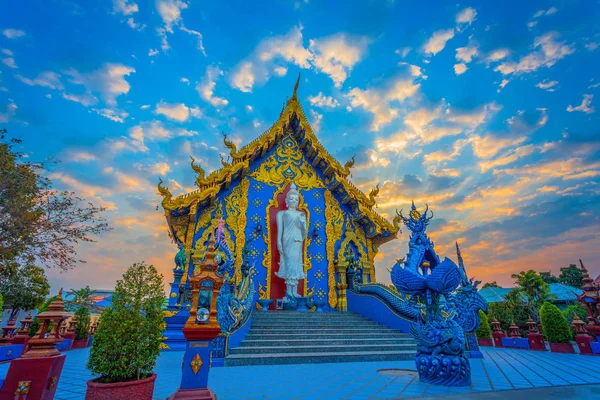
371, 257
334, 218
307, 241
356, 235
287, 164
199, 248
240, 224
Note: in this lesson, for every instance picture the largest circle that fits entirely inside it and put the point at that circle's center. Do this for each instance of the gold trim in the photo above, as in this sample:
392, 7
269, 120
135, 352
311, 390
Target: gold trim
334, 218
169, 314
196, 364
240, 236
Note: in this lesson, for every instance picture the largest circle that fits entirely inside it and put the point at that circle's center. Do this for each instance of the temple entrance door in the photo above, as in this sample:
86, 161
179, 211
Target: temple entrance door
278, 284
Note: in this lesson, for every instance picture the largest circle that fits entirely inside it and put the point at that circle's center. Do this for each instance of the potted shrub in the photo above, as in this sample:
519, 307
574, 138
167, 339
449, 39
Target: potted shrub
484, 332
127, 340
555, 328
82, 328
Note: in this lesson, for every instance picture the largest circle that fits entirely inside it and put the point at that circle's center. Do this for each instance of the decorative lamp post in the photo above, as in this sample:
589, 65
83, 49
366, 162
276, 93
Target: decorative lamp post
535, 338
513, 330
582, 338
35, 375
23, 332
8, 332
497, 333
590, 300
200, 329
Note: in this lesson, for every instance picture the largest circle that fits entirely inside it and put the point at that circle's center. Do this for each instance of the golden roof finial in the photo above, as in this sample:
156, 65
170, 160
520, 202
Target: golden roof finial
296, 87
60, 293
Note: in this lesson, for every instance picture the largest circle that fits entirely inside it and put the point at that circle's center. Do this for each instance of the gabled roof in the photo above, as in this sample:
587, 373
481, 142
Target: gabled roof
562, 293
292, 119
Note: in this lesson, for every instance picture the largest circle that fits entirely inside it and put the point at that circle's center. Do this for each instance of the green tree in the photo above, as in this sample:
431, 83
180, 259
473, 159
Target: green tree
80, 298
548, 277
127, 340
38, 223
82, 323
554, 324
484, 331
536, 291
571, 276
35, 324
490, 284
575, 309
23, 288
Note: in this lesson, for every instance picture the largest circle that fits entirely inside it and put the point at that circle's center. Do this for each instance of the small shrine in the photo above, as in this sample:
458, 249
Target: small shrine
248, 192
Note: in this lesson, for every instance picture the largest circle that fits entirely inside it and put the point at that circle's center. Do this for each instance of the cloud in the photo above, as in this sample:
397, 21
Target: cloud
160, 169
11, 109
466, 16
114, 115
591, 46
497, 55
124, 7
152, 131
550, 11
584, 106
460, 69
378, 100
200, 44
316, 120
437, 41
170, 13
547, 85
336, 55
177, 112
403, 52
13, 33
467, 53
547, 52
152, 52
45, 79
109, 81
321, 100
185, 80
206, 87
9, 62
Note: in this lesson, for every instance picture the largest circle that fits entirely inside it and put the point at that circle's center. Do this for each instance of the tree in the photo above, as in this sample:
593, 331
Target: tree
554, 324
80, 298
572, 310
571, 276
484, 331
533, 287
490, 284
23, 288
82, 323
127, 340
548, 277
39, 224
35, 324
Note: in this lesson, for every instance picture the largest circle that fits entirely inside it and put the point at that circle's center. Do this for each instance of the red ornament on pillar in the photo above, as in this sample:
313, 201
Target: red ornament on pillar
498, 334
582, 338
36, 374
535, 338
513, 330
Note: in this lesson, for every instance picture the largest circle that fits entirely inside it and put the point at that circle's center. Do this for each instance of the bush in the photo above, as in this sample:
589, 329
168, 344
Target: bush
127, 340
82, 323
35, 324
572, 309
484, 331
1, 303
554, 324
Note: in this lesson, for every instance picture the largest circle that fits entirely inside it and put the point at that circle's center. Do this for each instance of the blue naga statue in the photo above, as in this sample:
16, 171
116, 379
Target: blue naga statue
446, 304
234, 303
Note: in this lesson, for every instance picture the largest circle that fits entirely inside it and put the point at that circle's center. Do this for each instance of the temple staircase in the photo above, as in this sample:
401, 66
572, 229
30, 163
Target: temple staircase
284, 337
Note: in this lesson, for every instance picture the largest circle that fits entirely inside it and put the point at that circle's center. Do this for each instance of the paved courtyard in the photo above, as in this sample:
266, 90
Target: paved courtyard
502, 369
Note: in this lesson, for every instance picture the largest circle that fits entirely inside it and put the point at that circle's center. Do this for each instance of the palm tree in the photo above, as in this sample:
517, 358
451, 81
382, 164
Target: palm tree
80, 298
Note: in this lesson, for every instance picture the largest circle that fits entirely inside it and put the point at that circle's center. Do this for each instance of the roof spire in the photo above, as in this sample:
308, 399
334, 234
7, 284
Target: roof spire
297, 84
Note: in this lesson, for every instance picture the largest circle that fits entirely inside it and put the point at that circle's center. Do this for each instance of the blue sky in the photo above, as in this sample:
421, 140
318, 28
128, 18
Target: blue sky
486, 112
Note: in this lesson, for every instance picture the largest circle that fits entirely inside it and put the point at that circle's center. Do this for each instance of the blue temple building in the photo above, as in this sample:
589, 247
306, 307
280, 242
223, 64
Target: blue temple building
246, 194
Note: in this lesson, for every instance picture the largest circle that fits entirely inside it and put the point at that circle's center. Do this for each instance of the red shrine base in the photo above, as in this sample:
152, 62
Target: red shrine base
561, 348
79, 344
194, 394
41, 373
142, 389
485, 342
498, 338
536, 341
583, 342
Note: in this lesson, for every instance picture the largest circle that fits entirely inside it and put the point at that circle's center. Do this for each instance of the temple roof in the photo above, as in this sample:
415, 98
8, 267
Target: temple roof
292, 119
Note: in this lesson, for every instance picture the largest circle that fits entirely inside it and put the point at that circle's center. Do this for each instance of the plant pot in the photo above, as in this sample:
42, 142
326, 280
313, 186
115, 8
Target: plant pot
79, 344
485, 342
561, 348
132, 390
265, 303
319, 304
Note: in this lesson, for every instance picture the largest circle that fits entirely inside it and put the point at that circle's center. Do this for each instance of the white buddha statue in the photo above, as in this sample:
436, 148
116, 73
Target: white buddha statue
291, 232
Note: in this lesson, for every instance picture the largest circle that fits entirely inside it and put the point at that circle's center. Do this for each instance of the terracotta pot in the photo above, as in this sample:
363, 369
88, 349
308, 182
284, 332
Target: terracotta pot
485, 342
79, 344
561, 348
132, 390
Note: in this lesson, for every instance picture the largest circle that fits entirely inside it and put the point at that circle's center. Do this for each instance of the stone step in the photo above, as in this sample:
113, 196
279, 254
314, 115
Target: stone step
323, 348
317, 342
317, 358
288, 331
293, 336
320, 325
302, 318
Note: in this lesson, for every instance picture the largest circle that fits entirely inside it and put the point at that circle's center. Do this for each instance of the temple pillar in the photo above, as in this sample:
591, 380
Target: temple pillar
582, 338
498, 334
535, 338
36, 374
342, 285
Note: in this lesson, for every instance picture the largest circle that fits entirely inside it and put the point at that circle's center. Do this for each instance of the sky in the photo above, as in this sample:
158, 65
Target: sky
486, 111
